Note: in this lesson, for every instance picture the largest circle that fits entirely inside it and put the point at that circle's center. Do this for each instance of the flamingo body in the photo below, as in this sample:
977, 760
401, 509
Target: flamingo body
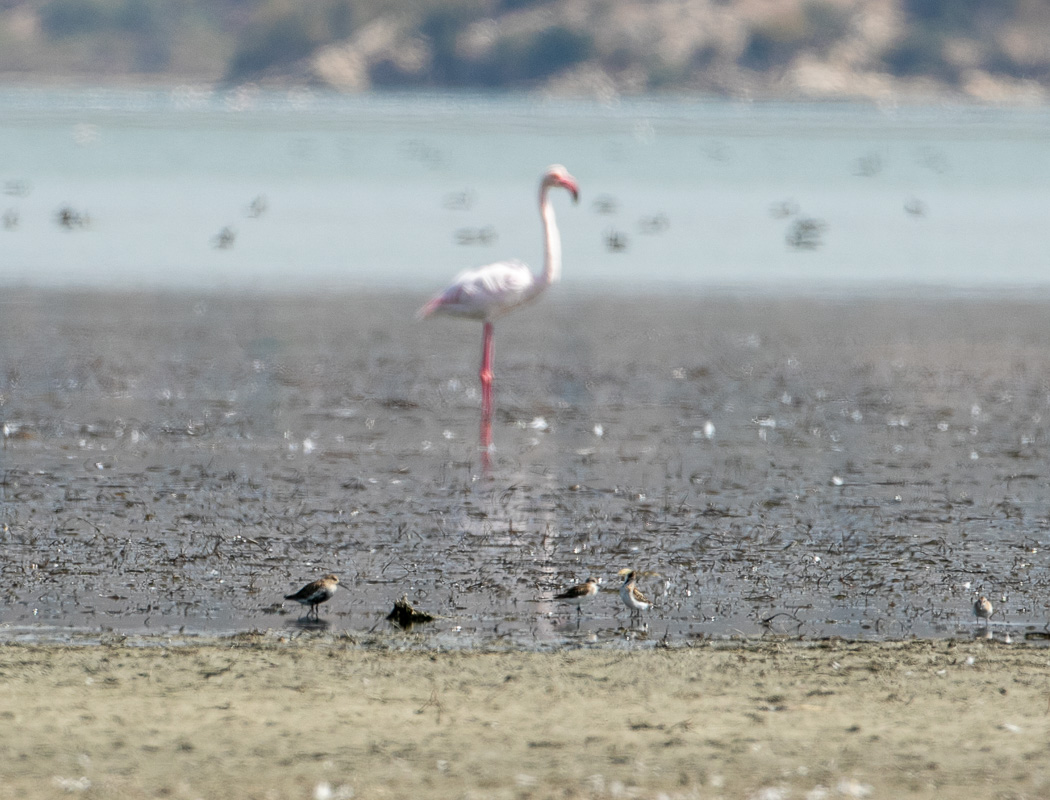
489, 292
485, 293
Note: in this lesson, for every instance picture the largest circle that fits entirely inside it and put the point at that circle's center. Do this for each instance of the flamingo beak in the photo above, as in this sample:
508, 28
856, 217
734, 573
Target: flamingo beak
559, 176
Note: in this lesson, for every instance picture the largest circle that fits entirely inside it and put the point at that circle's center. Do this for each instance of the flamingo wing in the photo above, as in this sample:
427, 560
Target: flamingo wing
484, 293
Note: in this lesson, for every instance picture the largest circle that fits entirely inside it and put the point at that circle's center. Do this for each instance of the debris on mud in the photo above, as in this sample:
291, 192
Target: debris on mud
404, 615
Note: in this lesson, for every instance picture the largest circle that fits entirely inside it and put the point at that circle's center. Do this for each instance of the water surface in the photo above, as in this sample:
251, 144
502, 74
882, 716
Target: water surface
383, 190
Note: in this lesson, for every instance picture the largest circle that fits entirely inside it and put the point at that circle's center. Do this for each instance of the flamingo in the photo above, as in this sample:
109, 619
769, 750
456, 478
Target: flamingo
489, 292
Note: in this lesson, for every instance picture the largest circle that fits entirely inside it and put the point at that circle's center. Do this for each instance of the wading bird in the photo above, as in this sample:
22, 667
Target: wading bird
632, 597
315, 593
489, 292
983, 609
580, 594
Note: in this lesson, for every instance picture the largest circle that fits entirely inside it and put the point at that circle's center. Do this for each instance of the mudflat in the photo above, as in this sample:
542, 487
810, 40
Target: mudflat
854, 467
261, 716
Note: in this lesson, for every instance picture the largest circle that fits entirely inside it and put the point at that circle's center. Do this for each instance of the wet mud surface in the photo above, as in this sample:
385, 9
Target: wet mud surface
805, 467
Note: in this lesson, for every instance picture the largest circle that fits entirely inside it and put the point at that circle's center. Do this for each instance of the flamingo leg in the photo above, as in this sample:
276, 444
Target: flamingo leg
486, 393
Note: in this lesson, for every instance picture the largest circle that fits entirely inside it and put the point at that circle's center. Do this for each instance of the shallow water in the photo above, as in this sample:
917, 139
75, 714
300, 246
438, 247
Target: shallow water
394, 190
841, 466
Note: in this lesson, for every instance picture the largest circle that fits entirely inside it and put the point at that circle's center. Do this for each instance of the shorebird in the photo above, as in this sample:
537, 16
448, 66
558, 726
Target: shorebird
315, 593
632, 598
983, 609
580, 594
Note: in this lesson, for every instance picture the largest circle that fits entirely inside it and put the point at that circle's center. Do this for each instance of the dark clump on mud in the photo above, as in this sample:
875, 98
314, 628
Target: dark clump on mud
860, 467
404, 615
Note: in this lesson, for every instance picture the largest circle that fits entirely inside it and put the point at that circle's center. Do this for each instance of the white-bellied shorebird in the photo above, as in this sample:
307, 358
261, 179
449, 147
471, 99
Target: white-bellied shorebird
580, 594
315, 593
632, 598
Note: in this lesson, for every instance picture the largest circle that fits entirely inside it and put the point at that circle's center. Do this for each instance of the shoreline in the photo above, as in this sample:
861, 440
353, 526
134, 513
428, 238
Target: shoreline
570, 292
905, 98
901, 96
323, 718
386, 637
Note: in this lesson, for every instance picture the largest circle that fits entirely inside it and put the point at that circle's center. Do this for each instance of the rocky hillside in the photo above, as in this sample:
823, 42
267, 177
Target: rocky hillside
877, 49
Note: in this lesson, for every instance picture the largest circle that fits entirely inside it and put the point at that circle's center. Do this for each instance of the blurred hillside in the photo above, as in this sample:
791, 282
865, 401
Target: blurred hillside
993, 51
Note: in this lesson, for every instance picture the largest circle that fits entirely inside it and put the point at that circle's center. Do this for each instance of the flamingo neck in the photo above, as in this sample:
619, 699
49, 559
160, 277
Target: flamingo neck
551, 242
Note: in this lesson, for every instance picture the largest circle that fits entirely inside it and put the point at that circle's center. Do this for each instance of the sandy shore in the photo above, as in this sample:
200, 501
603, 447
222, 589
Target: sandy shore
258, 717
179, 462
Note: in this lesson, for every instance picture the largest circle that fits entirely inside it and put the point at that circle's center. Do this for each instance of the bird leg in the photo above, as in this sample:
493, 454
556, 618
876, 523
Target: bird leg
486, 392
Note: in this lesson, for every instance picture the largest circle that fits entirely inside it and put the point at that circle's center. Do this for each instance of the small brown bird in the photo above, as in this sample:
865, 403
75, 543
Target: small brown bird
580, 594
315, 593
983, 608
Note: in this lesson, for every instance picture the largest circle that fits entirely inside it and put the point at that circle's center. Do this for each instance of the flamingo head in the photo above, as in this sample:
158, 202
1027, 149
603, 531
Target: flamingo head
557, 175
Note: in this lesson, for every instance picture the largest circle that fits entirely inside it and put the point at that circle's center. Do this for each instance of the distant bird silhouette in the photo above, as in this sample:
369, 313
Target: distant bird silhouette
615, 241
69, 218
225, 238
258, 206
783, 208
459, 201
806, 233
486, 235
915, 207
868, 166
657, 223
16, 188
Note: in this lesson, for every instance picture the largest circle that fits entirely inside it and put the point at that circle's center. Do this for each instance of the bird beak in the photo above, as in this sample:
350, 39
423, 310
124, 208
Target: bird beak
573, 188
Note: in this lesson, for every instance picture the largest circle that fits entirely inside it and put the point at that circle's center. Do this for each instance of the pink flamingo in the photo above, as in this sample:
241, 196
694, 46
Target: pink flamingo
489, 292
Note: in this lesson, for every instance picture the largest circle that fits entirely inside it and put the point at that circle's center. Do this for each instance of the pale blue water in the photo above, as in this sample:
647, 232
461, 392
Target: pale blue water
359, 189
